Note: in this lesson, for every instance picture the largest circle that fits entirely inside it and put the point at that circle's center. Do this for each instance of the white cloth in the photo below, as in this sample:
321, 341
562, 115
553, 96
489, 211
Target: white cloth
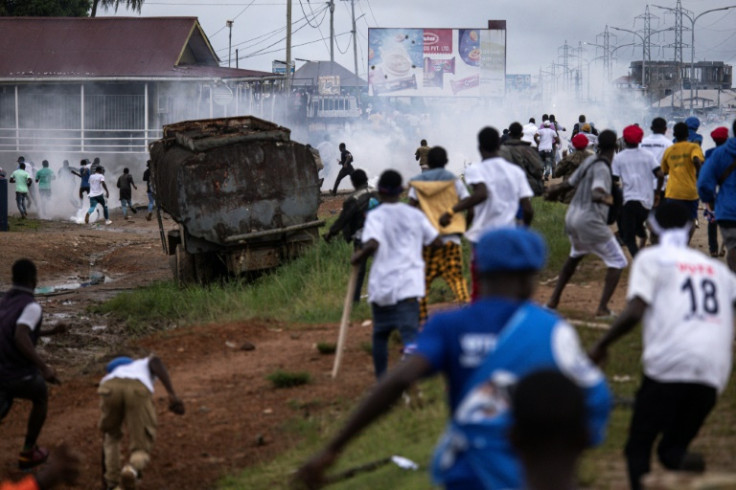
31, 316
397, 272
636, 168
688, 326
529, 130
138, 369
95, 185
656, 144
462, 193
546, 138
506, 184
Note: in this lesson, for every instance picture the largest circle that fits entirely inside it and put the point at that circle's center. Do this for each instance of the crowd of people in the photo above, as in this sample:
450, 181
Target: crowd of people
649, 188
525, 399
39, 187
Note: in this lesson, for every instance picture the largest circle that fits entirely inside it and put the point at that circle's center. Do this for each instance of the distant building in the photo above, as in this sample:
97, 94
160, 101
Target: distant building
662, 78
326, 90
89, 86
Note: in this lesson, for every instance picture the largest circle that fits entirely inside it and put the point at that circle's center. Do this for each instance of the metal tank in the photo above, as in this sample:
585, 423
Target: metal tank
244, 195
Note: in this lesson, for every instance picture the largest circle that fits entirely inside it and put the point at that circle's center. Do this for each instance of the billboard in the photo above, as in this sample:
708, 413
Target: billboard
518, 83
437, 62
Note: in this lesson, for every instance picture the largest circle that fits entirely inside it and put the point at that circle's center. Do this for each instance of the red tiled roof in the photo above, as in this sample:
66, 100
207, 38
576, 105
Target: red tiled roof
108, 47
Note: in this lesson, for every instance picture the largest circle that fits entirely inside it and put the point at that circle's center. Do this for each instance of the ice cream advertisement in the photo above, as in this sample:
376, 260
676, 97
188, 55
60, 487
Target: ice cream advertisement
437, 62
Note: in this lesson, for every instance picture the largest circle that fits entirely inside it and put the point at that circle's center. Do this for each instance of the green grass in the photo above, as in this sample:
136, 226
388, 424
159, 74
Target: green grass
411, 433
28, 224
288, 379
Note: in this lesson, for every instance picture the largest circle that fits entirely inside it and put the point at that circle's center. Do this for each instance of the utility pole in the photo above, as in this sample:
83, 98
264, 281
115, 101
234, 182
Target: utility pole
355, 38
331, 3
229, 24
565, 64
288, 44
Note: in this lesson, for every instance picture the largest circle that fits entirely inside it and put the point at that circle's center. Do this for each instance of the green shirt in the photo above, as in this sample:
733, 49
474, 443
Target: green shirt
21, 180
44, 178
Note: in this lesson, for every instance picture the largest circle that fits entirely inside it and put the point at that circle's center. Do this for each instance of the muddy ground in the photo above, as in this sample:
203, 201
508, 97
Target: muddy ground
234, 417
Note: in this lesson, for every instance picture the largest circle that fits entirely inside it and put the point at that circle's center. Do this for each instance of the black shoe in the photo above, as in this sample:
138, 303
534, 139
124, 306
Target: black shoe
693, 462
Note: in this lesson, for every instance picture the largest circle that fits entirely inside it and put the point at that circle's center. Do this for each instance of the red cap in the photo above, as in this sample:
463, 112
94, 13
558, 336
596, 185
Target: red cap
580, 141
633, 134
719, 134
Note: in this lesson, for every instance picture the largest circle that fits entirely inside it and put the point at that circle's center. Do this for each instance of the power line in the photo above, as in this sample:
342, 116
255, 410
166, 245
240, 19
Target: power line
265, 36
253, 55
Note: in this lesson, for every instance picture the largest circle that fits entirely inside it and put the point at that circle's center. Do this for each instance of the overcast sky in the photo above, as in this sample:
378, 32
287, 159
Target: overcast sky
536, 28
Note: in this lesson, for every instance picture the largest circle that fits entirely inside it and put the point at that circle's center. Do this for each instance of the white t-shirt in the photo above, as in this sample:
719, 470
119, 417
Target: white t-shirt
31, 316
397, 272
656, 144
546, 138
636, 168
138, 369
95, 185
688, 326
529, 130
506, 184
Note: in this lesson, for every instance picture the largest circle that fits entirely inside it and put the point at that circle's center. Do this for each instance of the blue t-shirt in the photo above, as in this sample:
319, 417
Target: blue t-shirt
457, 342
84, 173
495, 342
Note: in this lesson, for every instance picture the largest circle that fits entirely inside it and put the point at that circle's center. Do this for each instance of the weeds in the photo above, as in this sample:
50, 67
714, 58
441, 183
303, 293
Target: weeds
287, 379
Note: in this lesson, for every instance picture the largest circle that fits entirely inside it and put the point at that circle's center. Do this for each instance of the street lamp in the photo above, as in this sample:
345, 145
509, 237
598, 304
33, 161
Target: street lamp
692, 39
644, 40
229, 25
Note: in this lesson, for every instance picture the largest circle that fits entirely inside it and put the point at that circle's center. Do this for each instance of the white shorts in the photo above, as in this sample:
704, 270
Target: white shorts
610, 252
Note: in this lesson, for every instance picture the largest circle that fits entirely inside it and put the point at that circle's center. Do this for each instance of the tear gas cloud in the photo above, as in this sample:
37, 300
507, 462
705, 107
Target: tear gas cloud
385, 136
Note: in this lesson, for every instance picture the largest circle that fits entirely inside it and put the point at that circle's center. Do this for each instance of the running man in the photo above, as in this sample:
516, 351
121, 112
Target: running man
346, 166
149, 189
586, 222
44, 178
498, 339
125, 182
22, 180
84, 175
394, 234
433, 191
126, 396
96, 186
23, 374
686, 301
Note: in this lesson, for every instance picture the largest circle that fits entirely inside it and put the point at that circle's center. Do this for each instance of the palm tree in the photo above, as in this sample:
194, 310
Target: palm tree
129, 4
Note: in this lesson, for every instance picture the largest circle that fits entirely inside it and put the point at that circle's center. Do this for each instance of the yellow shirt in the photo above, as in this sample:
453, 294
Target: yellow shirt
678, 163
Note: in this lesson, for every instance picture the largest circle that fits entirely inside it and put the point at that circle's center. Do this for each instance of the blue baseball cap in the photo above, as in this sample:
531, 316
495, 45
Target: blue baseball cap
692, 122
510, 249
117, 362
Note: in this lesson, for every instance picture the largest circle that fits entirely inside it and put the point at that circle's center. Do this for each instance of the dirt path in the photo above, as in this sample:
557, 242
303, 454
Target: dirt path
234, 417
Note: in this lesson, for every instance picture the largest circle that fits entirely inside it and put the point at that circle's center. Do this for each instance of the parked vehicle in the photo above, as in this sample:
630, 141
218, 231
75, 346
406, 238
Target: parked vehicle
244, 196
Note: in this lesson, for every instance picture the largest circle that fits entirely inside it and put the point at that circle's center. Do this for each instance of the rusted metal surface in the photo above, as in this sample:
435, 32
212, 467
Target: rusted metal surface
237, 186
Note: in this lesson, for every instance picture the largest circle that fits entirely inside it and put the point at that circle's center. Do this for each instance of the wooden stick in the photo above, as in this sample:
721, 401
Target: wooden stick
347, 308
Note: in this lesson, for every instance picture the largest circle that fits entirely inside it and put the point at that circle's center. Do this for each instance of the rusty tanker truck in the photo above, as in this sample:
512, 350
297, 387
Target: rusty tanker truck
244, 196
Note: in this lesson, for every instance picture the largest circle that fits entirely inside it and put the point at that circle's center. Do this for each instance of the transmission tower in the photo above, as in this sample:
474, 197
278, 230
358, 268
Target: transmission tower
647, 18
678, 34
607, 56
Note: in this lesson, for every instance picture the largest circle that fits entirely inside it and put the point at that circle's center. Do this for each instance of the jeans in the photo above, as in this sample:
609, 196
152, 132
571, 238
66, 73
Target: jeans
674, 410
93, 201
125, 204
402, 316
150, 201
549, 163
20, 200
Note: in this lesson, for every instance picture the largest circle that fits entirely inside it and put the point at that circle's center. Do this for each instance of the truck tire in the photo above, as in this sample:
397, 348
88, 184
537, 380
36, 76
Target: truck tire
184, 267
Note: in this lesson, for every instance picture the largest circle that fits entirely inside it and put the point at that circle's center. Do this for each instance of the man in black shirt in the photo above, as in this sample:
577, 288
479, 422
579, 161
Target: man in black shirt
346, 164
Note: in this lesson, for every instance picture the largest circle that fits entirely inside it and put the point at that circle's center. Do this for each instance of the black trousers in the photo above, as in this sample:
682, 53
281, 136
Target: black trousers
344, 172
674, 410
633, 217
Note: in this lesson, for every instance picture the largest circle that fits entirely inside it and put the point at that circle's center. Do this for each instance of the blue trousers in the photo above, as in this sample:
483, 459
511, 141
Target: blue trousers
402, 316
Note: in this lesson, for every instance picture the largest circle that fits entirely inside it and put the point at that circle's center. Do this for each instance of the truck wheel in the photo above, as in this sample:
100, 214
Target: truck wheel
184, 267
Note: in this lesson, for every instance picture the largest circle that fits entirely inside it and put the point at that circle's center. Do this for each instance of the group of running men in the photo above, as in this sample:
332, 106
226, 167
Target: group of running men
92, 183
684, 298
